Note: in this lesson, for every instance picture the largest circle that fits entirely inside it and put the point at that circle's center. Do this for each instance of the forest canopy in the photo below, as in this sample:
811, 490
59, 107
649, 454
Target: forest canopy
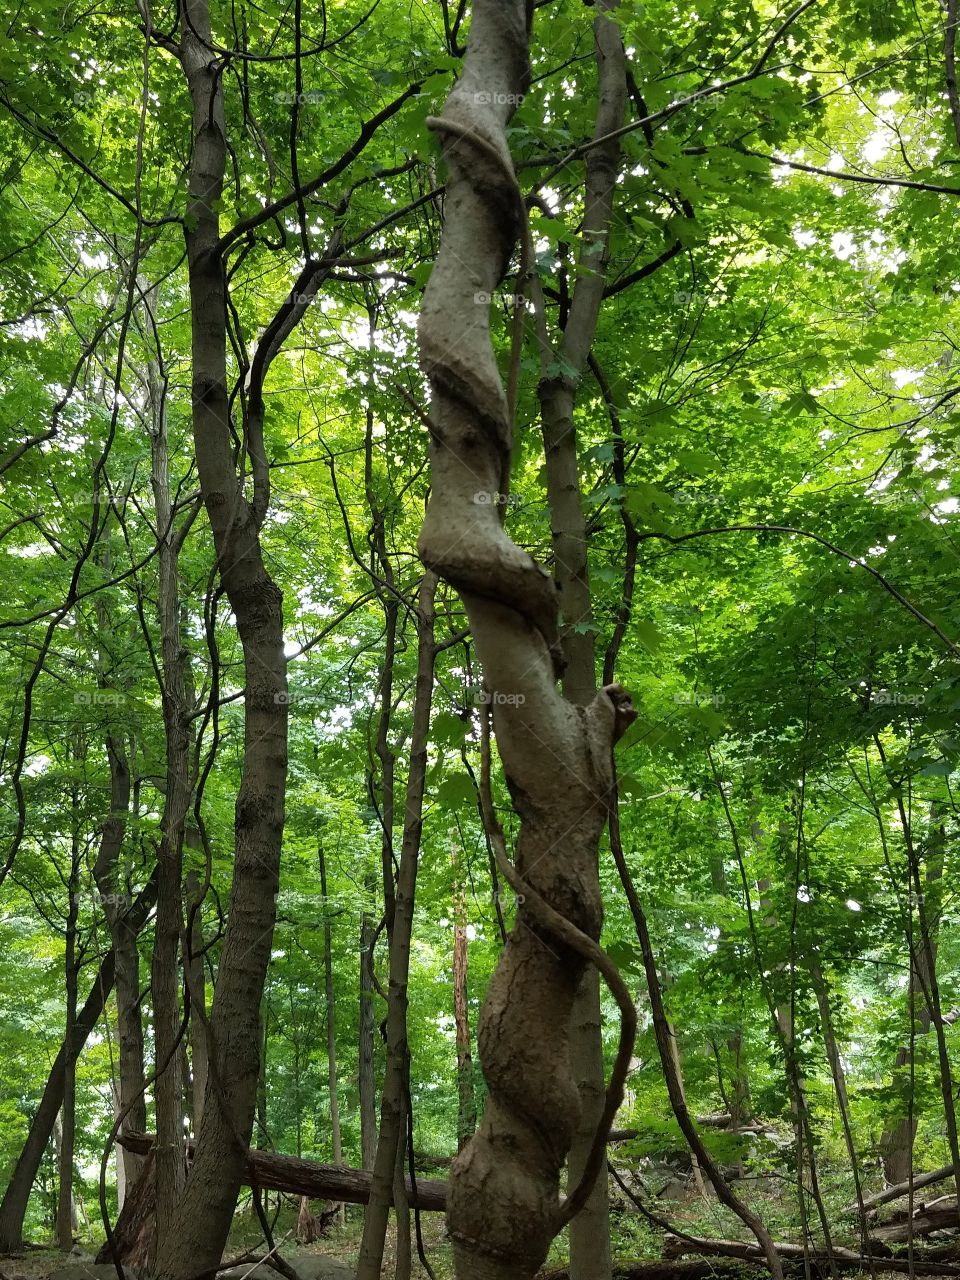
479, 638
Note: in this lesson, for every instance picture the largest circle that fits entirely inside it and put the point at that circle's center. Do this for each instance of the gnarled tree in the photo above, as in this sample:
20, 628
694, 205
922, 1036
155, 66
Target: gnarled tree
557, 757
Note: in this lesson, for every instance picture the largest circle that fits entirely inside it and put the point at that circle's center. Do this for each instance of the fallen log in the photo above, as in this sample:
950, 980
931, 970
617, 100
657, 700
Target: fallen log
938, 1215
793, 1256
903, 1188
679, 1270
273, 1172
722, 1120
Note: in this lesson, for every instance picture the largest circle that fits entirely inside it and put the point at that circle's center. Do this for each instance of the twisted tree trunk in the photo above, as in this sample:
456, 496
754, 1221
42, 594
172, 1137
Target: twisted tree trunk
557, 757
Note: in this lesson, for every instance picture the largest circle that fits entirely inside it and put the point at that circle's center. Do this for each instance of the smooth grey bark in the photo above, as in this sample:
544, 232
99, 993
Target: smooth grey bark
199, 1066
168, 1089
112, 889
131, 1093
387, 1182
557, 757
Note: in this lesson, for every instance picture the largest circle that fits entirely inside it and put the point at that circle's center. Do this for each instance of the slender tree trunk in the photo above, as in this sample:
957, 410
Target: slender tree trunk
111, 887
896, 1143
131, 1098
392, 1135
199, 1067
738, 1092
590, 1257
839, 1076
65, 1220
557, 757
466, 1101
681, 1088
13, 1208
169, 1086
335, 1141
366, 1077
382, 576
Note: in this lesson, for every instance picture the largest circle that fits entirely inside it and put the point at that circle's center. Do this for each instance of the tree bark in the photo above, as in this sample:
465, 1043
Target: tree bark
131, 1099
466, 1099
896, 1142
590, 1255
392, 1136
366, 1079
820, 1261
168, 1089
204, 1214
273, 1172
335, 1141
13, 1207
903, 1188
557, 757
199, 1066
65, 1220
938, 1215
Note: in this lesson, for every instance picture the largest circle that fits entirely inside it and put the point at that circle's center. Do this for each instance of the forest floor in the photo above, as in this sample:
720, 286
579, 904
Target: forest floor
633, 1238
344, 1243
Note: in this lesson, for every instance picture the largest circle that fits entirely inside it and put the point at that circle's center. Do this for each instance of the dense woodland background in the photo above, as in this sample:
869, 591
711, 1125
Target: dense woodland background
765, 472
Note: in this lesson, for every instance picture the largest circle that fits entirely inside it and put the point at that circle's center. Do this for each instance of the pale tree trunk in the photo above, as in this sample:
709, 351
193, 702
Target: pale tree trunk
65, 1209
194, 1244
170, 1164
466, 1100
335, 1140
676, 1062
590, 1257
557, 757
392, 1136
926, 954
130, 1099
839, 1076
738, 1092
199, 1068
896, 1143
17, 1194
